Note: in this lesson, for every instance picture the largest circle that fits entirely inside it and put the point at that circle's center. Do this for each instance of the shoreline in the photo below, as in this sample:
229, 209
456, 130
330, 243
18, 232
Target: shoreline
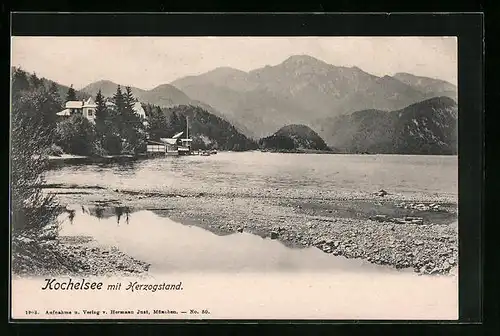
71, 256
380, 230
70, 159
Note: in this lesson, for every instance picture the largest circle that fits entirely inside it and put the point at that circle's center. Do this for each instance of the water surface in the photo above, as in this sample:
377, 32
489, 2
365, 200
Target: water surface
256, 173
173, 247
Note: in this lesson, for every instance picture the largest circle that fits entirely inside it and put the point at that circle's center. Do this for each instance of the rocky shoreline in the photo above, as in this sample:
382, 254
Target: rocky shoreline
381, 228
70, 256
426, 248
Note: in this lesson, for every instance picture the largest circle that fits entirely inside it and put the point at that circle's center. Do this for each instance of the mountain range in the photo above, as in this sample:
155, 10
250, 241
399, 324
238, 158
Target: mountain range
350, 109
300, 90
303, 90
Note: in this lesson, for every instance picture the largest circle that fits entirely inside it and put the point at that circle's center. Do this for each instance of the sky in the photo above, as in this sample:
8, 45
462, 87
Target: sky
146, 62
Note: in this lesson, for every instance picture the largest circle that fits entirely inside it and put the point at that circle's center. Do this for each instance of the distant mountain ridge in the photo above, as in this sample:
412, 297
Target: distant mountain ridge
163, 95
427, 127
429, 86
302, 89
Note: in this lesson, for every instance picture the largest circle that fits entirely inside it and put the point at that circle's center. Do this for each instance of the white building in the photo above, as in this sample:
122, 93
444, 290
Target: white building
88, 107
84, 107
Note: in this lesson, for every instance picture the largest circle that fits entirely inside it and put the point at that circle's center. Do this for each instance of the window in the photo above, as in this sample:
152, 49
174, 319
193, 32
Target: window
90, 113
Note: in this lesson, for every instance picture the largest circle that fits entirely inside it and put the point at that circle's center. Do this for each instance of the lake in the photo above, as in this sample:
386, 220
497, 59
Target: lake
254, 173
245, 276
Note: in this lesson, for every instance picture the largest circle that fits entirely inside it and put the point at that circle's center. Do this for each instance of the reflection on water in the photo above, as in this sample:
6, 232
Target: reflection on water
119, 211
171, 246
99, 212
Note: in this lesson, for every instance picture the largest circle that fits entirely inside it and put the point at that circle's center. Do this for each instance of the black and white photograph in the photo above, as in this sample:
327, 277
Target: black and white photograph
198, 177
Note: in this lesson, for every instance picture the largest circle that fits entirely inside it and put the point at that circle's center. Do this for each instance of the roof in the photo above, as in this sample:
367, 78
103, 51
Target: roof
151, 142
186, 139
65, 112
90, 103
177, 135
169, 141
74, 104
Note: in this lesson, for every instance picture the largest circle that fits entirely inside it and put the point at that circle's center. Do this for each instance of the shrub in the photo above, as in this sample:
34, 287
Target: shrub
99, 149
54, 150
31, 209
112, 144
76, 135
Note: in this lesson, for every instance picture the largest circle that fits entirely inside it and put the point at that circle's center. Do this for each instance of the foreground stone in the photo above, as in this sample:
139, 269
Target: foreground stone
70, 256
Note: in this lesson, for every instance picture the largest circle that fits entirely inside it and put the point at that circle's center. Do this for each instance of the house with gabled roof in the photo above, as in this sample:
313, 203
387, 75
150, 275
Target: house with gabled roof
84, 107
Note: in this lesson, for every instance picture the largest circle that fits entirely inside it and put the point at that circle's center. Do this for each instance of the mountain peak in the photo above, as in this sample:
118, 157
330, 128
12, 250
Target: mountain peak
227, 69
302, 59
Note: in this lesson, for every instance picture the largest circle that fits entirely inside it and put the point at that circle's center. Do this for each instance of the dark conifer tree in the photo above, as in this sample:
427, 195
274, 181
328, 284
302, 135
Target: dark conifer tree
20, 82
71, 95
35, 81
119, 107
53, 89
51, 106
100, 116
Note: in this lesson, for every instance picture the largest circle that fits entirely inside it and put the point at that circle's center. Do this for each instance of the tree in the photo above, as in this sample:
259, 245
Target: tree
53, 88
76, 135
128, 100
119, 106
50, 107
20, 82
132, 131
35, 81
157, 124
71, 95
31, 209
118, 98
101, 123
100, 113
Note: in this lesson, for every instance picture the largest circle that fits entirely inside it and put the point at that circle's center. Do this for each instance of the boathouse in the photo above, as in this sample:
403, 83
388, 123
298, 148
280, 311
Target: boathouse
171, 147
155, 147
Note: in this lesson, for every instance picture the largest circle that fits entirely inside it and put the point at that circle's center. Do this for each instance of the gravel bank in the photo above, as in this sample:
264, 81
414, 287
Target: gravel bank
70, 256
416, 231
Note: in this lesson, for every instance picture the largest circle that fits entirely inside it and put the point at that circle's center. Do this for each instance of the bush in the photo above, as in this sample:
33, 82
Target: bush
31, 209
112, 144
99, 149
76, 135
54, 150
